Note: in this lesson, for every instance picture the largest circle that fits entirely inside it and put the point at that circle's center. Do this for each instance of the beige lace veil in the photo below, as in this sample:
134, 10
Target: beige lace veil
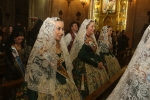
135, 82
79, 40
104, 38
42, 64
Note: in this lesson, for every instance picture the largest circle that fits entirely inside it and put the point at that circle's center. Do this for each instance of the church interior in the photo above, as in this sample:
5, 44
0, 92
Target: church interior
133, 13
133, 16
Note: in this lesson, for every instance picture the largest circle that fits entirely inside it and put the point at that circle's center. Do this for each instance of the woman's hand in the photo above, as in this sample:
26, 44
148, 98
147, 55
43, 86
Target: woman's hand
100, 65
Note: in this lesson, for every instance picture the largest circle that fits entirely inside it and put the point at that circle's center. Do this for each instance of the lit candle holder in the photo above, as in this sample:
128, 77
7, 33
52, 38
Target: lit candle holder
83, 2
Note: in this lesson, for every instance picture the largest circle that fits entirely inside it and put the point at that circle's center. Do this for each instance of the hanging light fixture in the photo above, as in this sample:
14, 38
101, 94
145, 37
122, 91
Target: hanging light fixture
130, 1
83, 2
69, 1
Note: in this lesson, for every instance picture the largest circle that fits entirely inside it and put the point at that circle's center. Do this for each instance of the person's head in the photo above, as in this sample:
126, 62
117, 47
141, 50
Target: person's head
18, 28
18, 22
90, 28
10, 29
113, 34
59, 29
109, 30
19, 38
74, 26
117, 33
24, 28
122, 32
3, 29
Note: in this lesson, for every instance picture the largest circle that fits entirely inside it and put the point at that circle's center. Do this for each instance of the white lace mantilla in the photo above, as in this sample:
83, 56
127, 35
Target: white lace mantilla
135, 82
42, 64
79, 40
104, 41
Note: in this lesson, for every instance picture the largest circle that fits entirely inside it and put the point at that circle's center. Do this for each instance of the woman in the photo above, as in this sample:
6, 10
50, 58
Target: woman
114, 42
17, 53
10, 29
88, 72
49, 67
106, 47
4, 34
1, 45
135, 82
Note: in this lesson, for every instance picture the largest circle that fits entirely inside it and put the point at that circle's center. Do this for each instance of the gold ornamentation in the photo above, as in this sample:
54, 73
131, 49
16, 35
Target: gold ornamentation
60, 69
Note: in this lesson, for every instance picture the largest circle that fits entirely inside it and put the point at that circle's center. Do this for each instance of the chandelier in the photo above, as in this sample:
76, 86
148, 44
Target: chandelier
69, 1
83, 2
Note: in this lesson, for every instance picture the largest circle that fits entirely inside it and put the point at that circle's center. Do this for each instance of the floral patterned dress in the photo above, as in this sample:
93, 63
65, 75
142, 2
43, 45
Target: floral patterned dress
64, 90
109, 59
86, 75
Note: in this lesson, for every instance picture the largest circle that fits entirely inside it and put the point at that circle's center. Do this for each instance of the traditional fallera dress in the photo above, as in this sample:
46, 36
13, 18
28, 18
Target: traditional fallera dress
104, 43
49, 75
86, 75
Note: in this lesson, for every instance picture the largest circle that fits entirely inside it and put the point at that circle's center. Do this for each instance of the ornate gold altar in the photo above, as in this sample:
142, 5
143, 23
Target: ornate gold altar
109, 12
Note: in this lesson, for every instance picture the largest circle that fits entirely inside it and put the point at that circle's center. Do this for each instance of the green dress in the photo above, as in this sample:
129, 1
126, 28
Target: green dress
86, 75
13, 71
109, 60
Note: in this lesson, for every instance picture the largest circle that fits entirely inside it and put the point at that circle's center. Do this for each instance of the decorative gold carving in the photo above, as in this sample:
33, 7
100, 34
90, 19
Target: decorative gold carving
115, 17
107, 20
109, 6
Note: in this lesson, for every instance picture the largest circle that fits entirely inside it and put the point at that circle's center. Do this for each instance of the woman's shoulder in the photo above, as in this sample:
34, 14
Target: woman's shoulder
86, 47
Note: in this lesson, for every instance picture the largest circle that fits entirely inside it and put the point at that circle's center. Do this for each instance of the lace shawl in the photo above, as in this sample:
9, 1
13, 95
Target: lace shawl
42, 64
79, 40
104, 41
135, 82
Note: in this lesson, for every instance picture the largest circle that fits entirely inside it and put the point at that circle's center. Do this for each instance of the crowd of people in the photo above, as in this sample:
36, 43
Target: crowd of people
57, 66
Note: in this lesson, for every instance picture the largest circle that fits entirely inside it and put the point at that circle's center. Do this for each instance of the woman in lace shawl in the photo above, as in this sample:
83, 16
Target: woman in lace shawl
106, 47
88, 72
135, 82
49, 69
